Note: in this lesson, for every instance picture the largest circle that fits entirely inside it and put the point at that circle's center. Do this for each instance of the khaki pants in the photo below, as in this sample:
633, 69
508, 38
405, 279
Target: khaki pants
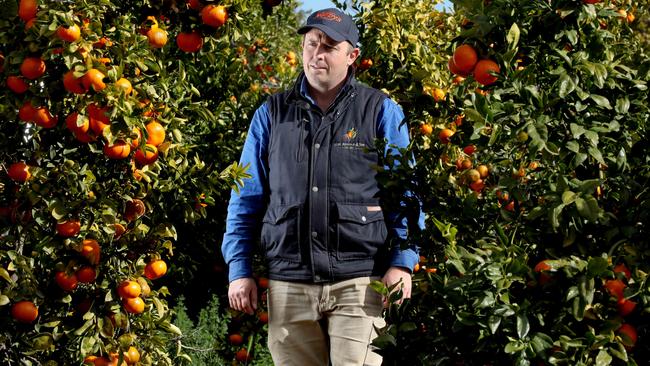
313, 324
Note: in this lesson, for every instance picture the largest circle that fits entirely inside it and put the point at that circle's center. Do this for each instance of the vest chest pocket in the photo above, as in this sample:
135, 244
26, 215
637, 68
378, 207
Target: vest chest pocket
361, 230
281, 232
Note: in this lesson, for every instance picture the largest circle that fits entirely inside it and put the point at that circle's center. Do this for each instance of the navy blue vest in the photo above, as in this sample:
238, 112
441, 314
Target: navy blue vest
323, 221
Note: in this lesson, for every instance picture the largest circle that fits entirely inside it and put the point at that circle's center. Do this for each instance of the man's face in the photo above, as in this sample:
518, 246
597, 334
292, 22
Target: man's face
326, 61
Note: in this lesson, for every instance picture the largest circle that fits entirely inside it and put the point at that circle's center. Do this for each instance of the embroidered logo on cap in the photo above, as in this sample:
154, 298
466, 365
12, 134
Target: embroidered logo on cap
328, 15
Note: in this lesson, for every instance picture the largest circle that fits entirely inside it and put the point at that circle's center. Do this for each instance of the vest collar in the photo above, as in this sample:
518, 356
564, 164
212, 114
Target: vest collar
299, 92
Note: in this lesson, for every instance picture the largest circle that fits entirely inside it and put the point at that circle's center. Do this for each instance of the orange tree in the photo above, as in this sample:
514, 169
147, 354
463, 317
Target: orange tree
532, 170
119, 121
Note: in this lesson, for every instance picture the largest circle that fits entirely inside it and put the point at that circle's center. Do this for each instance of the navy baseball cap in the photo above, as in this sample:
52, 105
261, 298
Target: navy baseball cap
335, 23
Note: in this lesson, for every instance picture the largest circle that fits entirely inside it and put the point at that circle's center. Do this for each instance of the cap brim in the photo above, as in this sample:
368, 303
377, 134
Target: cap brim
338, 37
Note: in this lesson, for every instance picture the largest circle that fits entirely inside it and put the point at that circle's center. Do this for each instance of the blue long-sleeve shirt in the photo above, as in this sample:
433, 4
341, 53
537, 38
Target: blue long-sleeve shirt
245, 208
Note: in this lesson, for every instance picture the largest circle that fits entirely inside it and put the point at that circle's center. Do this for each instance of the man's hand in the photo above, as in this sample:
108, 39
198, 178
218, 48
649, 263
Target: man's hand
242, 294
393, 276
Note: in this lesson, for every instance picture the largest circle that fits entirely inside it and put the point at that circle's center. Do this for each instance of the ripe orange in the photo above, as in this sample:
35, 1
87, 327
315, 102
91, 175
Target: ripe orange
473, 175
365, 64
32, 67
214, 15
16, 84
67, 282
97, 361
19, 172
263, 316
194, 4
157, 37
118, 150
469, 149
132, 356
86, 274
99, 119
68, 228
625, 307
129, 289
444, 135
95, 79
628, 334
155, 133
483, 170
454, 69
477, 186
591, 1
134, 209
24, 311
483, 69
615, 288
155, 269
438, 94
26, 112
147, 155
622, 268
542, 266
90, 250
426, 129
510, 207
72, 123
124, 85
263, 282
457, 79
73, 84
133, 305
189, 42
44, 118
235, 339
464, 59
242, 355
69, 34
27, 9
119, 230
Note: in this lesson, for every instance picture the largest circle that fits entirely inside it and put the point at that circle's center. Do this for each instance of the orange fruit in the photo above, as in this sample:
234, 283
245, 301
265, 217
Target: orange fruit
542, 266
625, 307
235, 339
483, 69
214, 15
628, 334
483, 170
73, 84
444, 135
615, 288
90, 250
147, 155
157, 37
129, 289
119, 230
69, 34
189, 42
71, 122
194, 4
473, 175
102, 43
591, 1
155, 133
263, 316
454, 69
155, 269
98, 118
426, 129
65, 281
242, 355
622, 268
438, 94
95, 79
464, 59
510, 206
134, 209
86, 274
365, 64
83, 137
97, 361
26, 112
133, 305
19, 172
32, 67
44, 118
118, 150
16, 84
30, 23
132, 355
457, 79
68, 228
630, 17
24, 311
27, 9
124, 85
469, 149
477, 186
263, 282
135, 141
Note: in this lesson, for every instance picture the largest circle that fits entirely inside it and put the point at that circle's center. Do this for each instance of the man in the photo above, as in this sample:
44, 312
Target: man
313, 186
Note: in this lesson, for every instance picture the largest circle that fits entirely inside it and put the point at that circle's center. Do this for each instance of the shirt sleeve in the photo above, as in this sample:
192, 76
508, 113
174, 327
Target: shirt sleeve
391, 128
246, 207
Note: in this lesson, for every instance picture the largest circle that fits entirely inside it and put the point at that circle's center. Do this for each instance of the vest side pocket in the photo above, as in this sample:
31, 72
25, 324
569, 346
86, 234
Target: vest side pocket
361, 231
280, 235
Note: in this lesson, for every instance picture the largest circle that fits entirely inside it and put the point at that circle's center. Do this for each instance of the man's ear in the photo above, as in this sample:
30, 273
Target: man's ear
353, 56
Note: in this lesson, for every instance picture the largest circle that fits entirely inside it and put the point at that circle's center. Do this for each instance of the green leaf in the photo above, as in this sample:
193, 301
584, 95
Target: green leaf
603, 358
384, 341
601, 101
567, 86
568, 197
523, 326
5, 274
4, 300
493, 323
595, 153
576, 130
513, 36
407, 327
622, 105
379, 287
597, 267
